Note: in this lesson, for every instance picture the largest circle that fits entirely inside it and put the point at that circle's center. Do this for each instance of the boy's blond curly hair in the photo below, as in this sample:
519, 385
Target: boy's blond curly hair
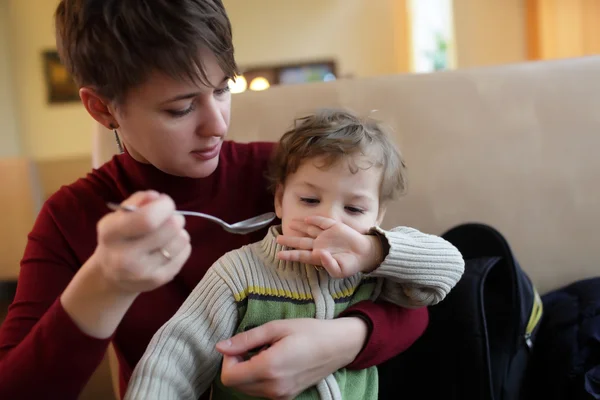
335, 134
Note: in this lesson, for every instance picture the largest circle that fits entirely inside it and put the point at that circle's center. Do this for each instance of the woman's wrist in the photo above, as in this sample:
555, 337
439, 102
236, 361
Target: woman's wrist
356, 332
94, 305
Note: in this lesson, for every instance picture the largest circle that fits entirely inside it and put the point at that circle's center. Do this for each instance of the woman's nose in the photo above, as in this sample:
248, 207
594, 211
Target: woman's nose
212, 120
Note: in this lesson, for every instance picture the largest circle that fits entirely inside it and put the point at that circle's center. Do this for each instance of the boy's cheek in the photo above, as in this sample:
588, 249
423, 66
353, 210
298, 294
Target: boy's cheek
363, 224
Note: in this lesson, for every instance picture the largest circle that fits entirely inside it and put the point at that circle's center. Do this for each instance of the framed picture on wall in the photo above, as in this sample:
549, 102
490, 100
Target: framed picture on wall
60, 86
305, 73
289, 73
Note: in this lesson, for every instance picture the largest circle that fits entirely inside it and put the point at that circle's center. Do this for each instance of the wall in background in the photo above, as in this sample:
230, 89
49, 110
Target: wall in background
9, 138
47, 131
489, 32
365, 37
358, 34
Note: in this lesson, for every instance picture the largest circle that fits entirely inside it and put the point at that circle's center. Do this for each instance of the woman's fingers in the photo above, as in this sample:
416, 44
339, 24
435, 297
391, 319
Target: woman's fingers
253, 379
257, 337
172, 268
148, 217
139, 199
143, 249
177, 244
259, 376
162, 237
303, 352
236, 372
167, 252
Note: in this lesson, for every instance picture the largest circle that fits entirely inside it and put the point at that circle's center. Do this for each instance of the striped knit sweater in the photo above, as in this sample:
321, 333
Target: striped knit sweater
249, 287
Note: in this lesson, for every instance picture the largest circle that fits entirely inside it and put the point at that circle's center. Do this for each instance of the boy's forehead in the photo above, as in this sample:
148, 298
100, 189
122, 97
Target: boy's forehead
356, 176
327, 161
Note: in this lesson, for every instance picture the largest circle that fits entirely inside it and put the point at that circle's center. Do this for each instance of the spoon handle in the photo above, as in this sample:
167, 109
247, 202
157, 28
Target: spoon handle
202, 215
116, 207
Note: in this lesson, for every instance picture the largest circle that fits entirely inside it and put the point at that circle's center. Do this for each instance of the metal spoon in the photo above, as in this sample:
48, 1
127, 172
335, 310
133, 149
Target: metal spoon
241, 228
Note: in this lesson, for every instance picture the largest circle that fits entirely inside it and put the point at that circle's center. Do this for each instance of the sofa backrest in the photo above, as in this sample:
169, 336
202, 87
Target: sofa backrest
513, 146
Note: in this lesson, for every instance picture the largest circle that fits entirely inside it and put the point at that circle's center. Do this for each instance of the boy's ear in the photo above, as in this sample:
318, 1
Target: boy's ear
279, 201
381, 215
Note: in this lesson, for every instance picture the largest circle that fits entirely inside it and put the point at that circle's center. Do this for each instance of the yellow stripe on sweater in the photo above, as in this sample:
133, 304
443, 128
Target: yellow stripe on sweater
343, 294
267, 291
352, 291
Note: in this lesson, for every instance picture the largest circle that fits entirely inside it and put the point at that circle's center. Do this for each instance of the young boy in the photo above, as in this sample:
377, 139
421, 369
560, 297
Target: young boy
333, 174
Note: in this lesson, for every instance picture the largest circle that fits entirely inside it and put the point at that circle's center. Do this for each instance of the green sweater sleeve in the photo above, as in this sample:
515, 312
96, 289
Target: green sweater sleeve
419, 270
181, 360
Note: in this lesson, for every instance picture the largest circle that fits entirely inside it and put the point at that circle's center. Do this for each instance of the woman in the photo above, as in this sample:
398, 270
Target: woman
157, 74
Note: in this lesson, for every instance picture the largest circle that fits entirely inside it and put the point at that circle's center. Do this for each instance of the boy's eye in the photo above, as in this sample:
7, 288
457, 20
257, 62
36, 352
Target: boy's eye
309, 200
354, 210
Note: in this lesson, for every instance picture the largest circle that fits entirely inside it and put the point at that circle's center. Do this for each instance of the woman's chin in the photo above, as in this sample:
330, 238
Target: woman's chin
201, 168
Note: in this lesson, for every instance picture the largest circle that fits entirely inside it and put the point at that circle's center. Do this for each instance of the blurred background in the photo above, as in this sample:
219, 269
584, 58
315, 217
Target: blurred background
361, 37
46, 135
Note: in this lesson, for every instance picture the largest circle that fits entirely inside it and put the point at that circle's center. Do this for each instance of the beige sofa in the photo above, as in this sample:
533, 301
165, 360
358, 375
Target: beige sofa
512, 146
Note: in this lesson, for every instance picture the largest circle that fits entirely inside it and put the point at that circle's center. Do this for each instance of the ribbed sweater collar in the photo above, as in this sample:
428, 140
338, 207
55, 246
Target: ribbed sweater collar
268, 249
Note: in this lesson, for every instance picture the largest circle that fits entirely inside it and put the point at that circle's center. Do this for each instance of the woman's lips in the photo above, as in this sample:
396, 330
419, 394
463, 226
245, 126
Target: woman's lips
208, 153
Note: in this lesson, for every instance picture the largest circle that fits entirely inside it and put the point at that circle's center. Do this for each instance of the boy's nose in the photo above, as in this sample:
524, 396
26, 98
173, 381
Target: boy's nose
330, 212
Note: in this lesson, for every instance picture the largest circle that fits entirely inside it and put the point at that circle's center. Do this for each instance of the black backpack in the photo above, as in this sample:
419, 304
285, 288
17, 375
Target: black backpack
566, 360
479, 338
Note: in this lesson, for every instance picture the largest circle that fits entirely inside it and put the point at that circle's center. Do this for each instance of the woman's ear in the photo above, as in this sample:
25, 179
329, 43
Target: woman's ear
98, 107
279, 201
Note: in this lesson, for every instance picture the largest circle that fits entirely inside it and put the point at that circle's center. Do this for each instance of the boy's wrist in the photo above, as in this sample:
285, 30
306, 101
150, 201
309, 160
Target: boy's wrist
378, 251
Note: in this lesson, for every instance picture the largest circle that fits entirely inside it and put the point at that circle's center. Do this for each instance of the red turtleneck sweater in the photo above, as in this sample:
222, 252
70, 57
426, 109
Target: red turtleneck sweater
42, 352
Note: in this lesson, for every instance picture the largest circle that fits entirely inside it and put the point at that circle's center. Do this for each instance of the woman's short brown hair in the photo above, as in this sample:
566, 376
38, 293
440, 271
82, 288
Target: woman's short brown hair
113, 45
336, 134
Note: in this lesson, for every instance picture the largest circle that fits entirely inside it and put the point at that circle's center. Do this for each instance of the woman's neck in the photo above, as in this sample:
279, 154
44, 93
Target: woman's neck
183, 190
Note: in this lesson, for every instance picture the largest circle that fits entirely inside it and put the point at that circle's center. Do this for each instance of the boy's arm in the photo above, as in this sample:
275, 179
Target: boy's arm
423, 267
419, 269
181, 360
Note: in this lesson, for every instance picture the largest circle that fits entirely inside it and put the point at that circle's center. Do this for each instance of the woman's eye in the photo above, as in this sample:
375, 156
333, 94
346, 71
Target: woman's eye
222, 91
182, 113
354, 210
309, 200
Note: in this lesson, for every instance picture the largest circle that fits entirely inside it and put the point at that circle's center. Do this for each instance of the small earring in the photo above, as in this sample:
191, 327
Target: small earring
117, 139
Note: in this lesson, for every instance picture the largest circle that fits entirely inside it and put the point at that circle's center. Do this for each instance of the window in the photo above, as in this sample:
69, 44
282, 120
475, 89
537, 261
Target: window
432, 35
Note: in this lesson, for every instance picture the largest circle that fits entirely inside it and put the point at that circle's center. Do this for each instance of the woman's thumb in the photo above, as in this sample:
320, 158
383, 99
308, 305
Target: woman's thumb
252, 339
